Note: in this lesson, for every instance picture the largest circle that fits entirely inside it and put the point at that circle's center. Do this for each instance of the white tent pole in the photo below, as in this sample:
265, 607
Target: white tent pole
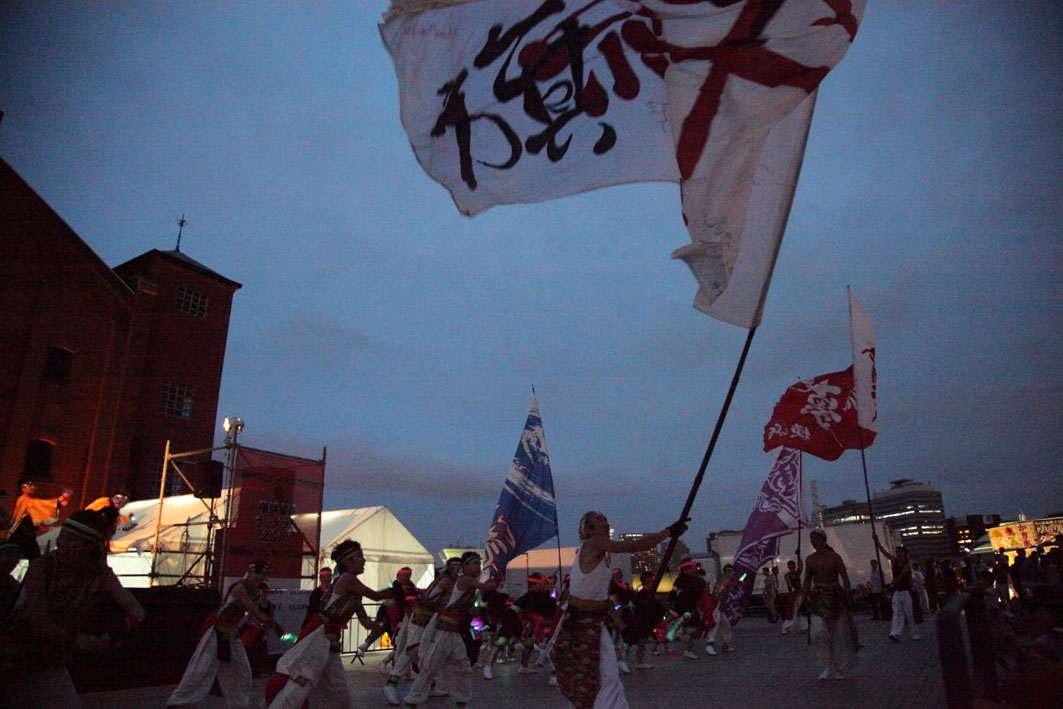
158, 520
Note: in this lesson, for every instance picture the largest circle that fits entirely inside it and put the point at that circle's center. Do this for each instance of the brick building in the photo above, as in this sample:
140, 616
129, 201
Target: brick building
100, 367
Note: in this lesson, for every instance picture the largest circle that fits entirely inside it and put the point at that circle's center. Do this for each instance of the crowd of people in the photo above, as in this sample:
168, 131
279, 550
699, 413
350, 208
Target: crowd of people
582, 633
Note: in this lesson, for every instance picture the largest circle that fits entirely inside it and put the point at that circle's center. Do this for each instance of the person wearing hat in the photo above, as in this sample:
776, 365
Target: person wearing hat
311, 670
113, 505
422, 611
43, 629
32, 515
583, 654
220, 652
446, 654
825, 599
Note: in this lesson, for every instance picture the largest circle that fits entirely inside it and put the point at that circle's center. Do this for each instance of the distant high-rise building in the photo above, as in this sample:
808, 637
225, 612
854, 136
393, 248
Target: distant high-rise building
916, 513
848, 512
964, 532
642, 561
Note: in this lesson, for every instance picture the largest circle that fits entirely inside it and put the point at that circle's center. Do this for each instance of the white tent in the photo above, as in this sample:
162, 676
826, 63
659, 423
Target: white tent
387, 544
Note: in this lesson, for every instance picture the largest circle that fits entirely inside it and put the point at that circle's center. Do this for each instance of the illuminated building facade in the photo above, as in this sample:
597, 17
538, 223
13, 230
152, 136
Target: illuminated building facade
100, 367
848, 512
916, 513
964, 532
642, 561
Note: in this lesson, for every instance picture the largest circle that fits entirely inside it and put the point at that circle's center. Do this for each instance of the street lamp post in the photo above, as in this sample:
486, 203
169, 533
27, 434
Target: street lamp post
232, 428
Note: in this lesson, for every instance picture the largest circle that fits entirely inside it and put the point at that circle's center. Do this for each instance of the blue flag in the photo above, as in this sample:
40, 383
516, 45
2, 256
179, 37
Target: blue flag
526, 513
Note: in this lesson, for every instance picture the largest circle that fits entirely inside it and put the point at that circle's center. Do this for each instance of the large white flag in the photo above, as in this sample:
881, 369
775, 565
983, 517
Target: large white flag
865, 376
527, 100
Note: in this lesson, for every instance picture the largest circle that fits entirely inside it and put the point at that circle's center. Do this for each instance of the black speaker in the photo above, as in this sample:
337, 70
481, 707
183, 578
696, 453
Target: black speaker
208, 477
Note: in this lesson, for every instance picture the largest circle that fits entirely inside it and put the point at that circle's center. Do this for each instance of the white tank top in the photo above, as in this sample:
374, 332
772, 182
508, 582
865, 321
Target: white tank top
593, 586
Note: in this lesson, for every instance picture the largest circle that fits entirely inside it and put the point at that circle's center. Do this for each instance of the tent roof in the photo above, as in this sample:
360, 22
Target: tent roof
382, 536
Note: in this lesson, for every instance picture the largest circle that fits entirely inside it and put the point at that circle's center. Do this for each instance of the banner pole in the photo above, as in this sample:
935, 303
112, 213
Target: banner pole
708, 454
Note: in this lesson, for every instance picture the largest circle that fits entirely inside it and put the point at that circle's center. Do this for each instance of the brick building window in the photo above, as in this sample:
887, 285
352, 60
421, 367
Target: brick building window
191, 302
174, 484
57, 366
176, 399
38, 465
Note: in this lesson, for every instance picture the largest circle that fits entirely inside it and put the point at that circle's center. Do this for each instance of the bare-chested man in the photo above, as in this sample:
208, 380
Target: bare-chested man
826, 591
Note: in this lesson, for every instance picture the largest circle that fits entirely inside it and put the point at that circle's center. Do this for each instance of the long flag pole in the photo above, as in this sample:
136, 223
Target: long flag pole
705, 459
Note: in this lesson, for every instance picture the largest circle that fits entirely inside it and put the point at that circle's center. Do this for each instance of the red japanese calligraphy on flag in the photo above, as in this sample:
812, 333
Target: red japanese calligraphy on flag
819, 417
508, 101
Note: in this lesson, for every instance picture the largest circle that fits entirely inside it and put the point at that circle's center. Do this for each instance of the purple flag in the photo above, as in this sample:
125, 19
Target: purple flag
775, 514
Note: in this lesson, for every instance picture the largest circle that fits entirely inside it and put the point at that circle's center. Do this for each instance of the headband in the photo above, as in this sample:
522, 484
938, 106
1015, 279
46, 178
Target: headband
348, 554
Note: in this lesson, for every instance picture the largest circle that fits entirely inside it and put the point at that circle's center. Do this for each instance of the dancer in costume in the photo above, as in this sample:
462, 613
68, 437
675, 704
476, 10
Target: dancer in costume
391, 612
793, 592
312, 669
826, 591
640, 617
721, 637
422, 611
42, 630
902, 591
686, 592
319, 597
534, 607
584, 654
447, 654
771, 591
620, 594
220, 653
507, 627
33, 515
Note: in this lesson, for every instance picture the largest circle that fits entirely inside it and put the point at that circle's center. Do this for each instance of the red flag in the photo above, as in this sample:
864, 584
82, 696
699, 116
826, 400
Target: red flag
818, 417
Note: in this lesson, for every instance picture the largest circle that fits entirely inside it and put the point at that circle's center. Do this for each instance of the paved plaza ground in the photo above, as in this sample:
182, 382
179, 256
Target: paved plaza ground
767, 670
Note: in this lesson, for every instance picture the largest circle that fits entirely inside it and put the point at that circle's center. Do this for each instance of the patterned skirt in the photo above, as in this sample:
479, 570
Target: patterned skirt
575, 655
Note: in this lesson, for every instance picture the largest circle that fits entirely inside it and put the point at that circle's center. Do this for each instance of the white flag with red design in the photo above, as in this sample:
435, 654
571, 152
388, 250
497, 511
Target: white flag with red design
865, 376
510, 101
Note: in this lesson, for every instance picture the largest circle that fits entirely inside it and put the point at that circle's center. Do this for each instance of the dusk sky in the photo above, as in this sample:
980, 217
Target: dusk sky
376, 320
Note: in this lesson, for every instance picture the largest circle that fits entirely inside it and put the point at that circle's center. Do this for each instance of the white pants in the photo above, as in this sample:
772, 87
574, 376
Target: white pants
832, 641
721, 634
902, 613
326, 684
446, 658
410, 649
234, 676
610, 690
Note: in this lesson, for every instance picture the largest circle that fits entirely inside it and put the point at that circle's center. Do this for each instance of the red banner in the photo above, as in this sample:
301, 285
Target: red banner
818, 417
268, 490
